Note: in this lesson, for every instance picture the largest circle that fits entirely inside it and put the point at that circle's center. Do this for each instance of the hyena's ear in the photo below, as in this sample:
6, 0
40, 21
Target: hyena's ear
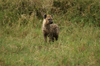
52, 15
45, 16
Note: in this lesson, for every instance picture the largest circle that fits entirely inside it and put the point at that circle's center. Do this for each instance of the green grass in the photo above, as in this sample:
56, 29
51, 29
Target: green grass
21, 38
77, 46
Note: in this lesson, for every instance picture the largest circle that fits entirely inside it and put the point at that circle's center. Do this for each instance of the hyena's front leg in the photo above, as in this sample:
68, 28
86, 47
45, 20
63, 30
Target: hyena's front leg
45, 37
51, 38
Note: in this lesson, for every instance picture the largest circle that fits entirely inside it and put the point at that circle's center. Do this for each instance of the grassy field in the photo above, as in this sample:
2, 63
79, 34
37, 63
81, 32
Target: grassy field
22, 43
77, 46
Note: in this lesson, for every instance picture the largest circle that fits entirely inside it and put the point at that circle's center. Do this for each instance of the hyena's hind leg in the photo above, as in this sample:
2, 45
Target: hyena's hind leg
51, 38
56, 37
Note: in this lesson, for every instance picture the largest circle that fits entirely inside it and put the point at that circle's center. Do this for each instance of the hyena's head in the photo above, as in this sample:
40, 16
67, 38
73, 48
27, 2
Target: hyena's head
48, 19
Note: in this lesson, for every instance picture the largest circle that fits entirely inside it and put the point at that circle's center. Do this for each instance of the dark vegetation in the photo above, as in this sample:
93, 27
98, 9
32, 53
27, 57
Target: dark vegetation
87, 11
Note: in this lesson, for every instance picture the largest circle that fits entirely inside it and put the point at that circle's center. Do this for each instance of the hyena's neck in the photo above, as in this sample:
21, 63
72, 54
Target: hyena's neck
45, 26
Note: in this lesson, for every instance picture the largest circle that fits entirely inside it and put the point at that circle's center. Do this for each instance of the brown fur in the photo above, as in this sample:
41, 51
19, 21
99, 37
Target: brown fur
49, 28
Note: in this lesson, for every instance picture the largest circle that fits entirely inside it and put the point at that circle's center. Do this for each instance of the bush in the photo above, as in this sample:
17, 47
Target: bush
86, 11
14, 9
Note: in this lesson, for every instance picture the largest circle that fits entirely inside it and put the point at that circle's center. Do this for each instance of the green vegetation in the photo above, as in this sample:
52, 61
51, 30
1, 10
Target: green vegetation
21, 39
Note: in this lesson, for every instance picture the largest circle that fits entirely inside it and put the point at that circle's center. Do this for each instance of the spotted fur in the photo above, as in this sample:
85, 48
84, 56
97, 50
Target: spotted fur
49, 28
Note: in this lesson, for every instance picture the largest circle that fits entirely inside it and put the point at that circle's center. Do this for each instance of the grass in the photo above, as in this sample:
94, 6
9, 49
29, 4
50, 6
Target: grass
21, 38
77, 46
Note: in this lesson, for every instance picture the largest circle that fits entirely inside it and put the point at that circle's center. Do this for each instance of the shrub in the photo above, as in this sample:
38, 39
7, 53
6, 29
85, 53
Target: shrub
86, 11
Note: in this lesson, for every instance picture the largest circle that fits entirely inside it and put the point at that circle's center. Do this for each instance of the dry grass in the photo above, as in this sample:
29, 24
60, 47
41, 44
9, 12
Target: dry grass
22, 43
76, 46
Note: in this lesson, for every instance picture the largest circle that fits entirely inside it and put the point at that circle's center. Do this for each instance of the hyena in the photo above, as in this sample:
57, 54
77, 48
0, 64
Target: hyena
49, 28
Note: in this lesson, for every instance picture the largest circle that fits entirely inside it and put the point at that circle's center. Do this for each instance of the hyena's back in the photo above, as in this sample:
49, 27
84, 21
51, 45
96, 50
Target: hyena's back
54, 30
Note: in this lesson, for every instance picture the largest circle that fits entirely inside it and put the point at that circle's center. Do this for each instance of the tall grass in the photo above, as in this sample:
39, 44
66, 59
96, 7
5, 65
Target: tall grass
21, 39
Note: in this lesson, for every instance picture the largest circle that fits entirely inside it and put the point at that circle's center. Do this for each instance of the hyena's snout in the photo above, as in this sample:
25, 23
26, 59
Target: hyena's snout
50, 21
